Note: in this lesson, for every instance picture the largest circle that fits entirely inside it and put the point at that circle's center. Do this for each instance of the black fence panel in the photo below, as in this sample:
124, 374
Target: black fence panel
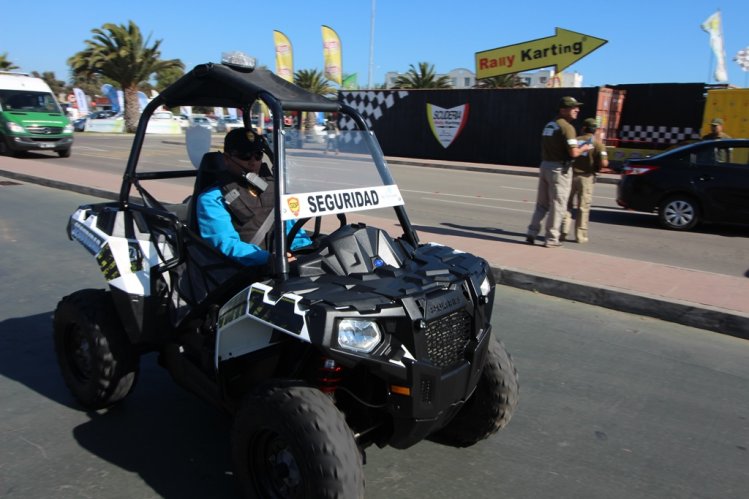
501, 126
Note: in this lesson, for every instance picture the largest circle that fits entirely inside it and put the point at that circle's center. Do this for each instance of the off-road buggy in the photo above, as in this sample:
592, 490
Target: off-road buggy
363, 339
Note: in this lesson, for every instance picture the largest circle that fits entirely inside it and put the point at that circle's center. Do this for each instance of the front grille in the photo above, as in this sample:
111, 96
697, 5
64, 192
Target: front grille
44, 130
448, 337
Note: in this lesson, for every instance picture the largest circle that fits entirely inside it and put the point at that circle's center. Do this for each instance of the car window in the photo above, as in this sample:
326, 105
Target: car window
704, 156
738, 155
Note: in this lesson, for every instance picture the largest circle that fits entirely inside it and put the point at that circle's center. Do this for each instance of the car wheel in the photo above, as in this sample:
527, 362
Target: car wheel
97, 361
6, 150
65, 153
291, 441
679, 213
491, 405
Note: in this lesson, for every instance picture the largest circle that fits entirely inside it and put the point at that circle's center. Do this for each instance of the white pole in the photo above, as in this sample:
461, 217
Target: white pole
371, 46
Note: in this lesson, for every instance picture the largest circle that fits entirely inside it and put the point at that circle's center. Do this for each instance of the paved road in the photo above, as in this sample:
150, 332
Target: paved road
480, 205
612, 405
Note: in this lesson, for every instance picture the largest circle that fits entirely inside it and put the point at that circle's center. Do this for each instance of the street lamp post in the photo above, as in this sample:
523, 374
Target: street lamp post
371, 46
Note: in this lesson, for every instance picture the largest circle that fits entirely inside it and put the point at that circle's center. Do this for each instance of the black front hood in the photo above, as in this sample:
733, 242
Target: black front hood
363, 268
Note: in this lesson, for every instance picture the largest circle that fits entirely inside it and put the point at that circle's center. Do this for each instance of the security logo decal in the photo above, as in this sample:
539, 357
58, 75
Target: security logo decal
446, 124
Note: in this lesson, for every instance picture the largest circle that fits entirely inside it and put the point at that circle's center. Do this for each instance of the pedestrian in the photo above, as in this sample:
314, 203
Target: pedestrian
716, 130
558, 148
331, 132
584, 170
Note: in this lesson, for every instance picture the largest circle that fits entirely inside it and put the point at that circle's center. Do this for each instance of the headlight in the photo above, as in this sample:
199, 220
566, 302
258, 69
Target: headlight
15, 127
358, 335
485, 287
68, 128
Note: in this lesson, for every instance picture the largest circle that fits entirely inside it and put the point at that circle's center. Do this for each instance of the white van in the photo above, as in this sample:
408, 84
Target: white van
30, 117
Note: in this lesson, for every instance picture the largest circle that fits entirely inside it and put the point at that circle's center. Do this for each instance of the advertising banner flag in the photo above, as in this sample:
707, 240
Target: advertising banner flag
331, 51
713, 26
284, 56
112, 94
350, 82
81, 101
742, 59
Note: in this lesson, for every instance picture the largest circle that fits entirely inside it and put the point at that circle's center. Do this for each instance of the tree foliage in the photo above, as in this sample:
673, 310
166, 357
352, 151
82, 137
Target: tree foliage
5, 64
313, 81
120, 53
57, 86
167, 76
503, 81
422, 77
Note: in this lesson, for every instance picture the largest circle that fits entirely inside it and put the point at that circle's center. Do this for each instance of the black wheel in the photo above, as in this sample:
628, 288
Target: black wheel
292, 442
97, 362
491, 405
6, 150
679, 213
65, 153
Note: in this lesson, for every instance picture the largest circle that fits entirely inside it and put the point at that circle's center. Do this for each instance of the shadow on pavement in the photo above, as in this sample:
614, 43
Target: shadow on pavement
176, 443
605, 215
483, 233
27, 356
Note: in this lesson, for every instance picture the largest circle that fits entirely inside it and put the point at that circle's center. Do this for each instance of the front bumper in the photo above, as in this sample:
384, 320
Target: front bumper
436, 395
26, 143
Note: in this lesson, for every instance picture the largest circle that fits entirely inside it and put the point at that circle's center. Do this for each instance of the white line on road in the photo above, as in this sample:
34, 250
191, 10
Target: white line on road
530, 205
488, 198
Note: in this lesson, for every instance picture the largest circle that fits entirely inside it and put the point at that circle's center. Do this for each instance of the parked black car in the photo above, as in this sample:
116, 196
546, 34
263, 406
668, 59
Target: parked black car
706, 181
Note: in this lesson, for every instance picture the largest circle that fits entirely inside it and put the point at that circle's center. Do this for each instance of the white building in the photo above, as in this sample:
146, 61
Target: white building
543, 78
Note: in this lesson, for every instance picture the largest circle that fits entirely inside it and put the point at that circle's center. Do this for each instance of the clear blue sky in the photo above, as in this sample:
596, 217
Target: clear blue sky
648, 41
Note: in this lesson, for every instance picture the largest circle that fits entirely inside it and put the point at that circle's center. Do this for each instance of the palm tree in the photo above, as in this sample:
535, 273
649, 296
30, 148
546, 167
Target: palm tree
313, 81
424, 77
57, 86
120, 53
5, 64
167, 76
511, 80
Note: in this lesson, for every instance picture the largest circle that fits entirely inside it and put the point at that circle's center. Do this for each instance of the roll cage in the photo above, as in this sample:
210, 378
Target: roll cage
222, 85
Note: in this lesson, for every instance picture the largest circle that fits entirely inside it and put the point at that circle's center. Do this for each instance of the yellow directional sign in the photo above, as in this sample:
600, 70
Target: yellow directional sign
561, 50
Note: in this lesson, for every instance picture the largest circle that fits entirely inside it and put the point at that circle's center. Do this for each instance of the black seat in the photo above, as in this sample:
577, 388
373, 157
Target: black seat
206, 276
211, 167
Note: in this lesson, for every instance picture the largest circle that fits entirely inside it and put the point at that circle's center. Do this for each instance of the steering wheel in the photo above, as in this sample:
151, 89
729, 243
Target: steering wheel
315, 235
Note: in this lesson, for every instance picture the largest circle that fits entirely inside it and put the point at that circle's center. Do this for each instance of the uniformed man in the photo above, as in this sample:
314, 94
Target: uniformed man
716, 130
231, 212
584, 170
558, 148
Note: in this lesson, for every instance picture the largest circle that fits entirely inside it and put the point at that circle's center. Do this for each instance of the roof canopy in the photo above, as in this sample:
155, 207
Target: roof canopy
223, 86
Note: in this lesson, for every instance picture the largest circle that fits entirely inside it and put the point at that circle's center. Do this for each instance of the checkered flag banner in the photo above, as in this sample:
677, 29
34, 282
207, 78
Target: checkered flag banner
372, 105
657, 134
742, 59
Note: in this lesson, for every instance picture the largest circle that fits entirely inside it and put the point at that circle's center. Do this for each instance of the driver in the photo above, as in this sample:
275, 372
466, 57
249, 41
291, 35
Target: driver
236, 212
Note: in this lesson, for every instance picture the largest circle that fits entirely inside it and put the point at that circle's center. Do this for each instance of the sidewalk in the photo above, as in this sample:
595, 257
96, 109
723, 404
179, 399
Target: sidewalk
704, 300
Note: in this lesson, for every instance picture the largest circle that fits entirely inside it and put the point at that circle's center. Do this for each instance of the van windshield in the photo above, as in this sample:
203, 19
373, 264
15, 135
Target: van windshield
28, 102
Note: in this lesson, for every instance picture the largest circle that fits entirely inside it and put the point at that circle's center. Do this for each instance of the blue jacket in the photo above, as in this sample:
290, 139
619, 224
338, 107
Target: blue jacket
216, 228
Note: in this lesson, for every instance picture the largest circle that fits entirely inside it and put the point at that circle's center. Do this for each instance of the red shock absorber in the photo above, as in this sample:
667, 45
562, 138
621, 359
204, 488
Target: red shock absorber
329, 375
